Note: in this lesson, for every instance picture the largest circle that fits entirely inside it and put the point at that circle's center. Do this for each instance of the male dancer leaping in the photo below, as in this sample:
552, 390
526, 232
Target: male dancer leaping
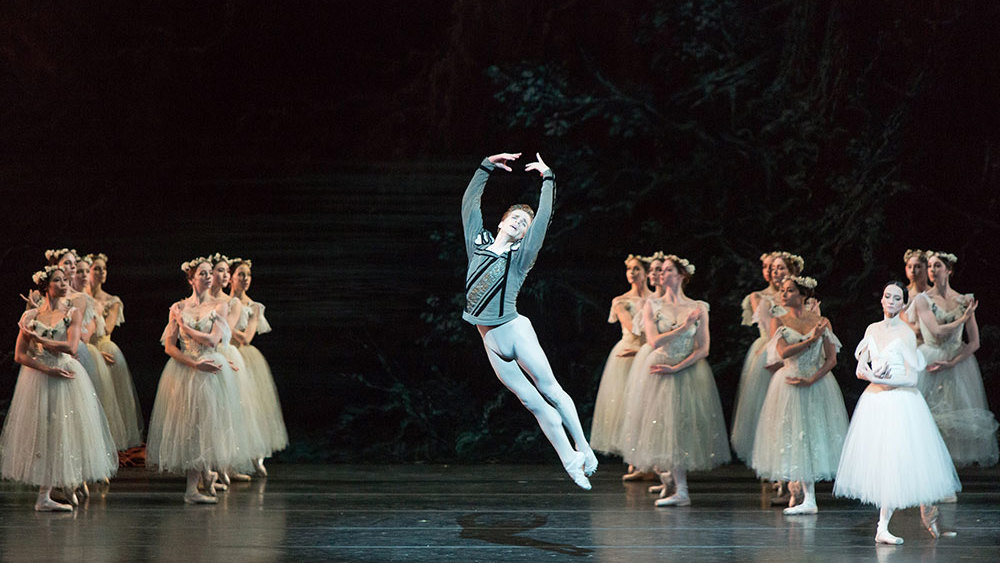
497, 268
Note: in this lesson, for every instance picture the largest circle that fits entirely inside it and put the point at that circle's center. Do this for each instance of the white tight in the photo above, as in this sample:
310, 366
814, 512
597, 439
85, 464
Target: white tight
514, 351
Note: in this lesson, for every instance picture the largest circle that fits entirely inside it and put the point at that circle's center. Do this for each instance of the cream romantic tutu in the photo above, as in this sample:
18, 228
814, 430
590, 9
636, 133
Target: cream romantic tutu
609, 407
268, 413
754, 381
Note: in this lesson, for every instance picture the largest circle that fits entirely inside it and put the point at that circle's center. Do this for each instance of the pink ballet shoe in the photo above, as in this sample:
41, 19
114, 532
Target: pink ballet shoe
198, 498
674, 500
49, 505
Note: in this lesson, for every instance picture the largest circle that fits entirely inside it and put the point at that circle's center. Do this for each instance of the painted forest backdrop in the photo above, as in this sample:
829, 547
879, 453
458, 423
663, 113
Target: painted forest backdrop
331, 144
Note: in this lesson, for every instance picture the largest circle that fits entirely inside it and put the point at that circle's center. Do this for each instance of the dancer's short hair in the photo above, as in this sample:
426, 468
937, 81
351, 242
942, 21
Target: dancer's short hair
519, 207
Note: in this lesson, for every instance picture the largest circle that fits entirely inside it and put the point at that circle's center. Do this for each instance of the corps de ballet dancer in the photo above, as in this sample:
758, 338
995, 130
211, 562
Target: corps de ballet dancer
632, 401
251, 322
952, 383
680, 425
55, 433
609, 405
915, 264
803, 421
197, 416
497, 268
111, 313
894, 456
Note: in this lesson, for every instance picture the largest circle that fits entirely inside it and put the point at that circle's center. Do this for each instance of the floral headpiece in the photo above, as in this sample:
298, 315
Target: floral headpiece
804, 281
44, 274
949, 258
249, 263
99, 256
915, 253
217, 257
682, 262
89, 259
642, 259
193, 263
790, 258
55, 254
766, 257
658, 255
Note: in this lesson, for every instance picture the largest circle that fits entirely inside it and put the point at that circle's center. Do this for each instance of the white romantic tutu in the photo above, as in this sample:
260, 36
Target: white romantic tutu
628, 431
254, 440
957, 400
269, 416
125, 394
100, 376
609, 408
754, 381
801, 430
197, 420
55, 433
681, 422
893, 455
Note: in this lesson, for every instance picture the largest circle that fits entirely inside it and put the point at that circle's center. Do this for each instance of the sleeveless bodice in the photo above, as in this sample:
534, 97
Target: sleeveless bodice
682, 344
806, 363
950, 342
55, 332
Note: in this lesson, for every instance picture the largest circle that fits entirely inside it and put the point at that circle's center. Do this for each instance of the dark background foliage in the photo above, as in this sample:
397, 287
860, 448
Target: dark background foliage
330, 142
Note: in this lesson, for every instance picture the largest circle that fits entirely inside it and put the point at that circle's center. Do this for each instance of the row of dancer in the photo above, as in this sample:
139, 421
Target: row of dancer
74, 403
216, 416
662, 411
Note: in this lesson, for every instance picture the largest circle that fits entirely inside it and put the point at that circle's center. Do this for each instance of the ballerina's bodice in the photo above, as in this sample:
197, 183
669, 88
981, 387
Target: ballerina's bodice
56, 332
681, 345
807, 362
189, 345
633, 307
952, 341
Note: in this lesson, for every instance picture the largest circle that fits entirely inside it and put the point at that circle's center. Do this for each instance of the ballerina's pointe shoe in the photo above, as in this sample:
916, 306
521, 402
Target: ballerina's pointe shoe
198, 498
49, 505
259, 468
589, 463
575, 470
674, 500
240, 477
804, 508
657, 489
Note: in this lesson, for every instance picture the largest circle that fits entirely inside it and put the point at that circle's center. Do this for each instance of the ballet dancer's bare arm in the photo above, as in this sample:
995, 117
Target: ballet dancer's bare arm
969, 348
830, 351
702, 343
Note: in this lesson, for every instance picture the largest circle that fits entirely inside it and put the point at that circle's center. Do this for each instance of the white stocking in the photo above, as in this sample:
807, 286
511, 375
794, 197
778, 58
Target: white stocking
882, 534
680, 481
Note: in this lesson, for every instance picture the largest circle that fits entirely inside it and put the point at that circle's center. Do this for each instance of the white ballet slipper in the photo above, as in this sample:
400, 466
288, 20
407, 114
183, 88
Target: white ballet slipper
804, 508
590, 463
674, 500
49, 505
198, 498
575, 470
884, 536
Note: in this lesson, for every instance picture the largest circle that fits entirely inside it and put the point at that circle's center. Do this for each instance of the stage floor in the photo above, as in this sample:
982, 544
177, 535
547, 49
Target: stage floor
479, 513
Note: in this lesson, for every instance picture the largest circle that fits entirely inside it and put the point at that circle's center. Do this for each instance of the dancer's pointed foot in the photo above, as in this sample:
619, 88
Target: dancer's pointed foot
884, 536
657, 489
259, 467
224, 478
211, 484
49, 505
240, 477
198, 498
84, 491
639, 476
590, 462
576, 472
675, 499
804, 508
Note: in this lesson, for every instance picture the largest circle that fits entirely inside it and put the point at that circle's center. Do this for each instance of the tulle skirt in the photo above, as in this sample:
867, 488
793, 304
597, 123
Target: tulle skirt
55, 433
628, 431
197, 420
893, 455
801, 430
100, 376
609, 408
125, 394
682, 421
957, 400
754, 380
271, 420
253, 438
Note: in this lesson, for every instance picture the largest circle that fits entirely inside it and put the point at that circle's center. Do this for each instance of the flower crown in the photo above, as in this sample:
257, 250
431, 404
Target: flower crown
790, 258
642, 259
99, 256
804, 281
682, 262
658, 255
249, 263
218, 257
193, 263
44, 274
766, 257
56, 253
951, 259
915, 253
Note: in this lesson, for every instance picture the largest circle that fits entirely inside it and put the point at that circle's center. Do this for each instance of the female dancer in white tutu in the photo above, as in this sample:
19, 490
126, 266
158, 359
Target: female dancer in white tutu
250, 323
253, 444
893, 455
915, 261
609, 405
631, 400
55, 433
755, 377
952, 383
680, 422
112, 313
197, 417
497, 268
803, 420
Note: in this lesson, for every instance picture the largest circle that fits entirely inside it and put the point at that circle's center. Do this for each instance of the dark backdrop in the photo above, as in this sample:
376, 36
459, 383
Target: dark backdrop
330, 142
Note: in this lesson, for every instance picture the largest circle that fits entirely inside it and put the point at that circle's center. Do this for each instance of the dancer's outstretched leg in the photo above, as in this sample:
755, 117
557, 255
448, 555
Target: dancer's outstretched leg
532, 359
509, 373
